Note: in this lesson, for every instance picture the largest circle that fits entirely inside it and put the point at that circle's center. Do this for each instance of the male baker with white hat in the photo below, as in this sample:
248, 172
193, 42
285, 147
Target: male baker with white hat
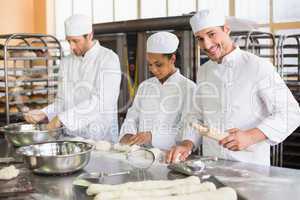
88, 89
154, 117
238, 93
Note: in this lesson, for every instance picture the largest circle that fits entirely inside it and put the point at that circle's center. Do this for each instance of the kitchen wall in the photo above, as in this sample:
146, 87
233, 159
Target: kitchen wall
22, 16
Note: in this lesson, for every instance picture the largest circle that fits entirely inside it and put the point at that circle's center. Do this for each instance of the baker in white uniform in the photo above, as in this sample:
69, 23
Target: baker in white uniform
239, 93
88, 89
154, 117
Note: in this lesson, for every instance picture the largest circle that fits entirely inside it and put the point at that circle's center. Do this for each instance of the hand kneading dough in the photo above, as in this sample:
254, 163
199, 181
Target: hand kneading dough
8, 173
125, 148
94, 189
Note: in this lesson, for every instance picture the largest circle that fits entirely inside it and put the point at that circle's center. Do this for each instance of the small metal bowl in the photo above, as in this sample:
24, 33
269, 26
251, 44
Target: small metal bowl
20, 134
189, 167
60, 157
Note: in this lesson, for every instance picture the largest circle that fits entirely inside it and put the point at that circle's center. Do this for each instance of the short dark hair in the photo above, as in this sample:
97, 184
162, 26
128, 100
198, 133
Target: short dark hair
86, 35
169, 55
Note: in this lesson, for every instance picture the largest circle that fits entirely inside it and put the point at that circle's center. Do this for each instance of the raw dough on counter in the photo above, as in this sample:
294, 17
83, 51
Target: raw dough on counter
225, 193
182, 189
102, 145
10, 172
94, 189
125, 148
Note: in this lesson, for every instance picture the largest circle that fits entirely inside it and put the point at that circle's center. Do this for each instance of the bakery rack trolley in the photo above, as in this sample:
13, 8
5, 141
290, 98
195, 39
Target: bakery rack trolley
28, 73
289, 69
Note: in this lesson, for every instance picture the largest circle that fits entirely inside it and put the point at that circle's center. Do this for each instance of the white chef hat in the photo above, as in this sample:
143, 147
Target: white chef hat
162, 42
78, 25
205, 19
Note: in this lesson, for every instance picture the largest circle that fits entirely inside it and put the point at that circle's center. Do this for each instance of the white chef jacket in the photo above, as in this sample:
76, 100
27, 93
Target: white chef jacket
87, 97
244, 92
158, 108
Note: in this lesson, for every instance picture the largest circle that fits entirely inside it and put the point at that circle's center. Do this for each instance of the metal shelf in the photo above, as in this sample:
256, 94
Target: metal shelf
20, 53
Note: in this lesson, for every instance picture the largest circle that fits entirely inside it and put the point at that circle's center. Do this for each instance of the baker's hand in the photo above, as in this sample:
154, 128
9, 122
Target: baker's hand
239, 140
54, 123
179, 152
126, 138
139, 138
34, 116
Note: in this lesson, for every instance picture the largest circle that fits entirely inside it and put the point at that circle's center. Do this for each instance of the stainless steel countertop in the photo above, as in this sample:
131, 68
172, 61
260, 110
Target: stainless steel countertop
251, 181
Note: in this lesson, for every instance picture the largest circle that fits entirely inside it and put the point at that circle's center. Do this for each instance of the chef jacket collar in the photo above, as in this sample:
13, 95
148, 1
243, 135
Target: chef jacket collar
92, 51
173, 77
229, 58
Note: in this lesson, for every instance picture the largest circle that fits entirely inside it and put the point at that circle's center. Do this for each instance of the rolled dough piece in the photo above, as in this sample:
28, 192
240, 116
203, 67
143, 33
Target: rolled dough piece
141, 185
209, 132
225, 193
215, 134
125, 148
9, 172
102, 145
182, 189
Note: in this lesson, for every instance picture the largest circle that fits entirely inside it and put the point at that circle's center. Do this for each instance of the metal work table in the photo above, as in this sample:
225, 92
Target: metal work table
251, 181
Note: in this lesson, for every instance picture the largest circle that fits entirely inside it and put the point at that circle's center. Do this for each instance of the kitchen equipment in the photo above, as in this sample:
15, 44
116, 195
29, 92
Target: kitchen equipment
189, 167
20, 134
88, 178
29, 69
59, 157
9, 160
141, 158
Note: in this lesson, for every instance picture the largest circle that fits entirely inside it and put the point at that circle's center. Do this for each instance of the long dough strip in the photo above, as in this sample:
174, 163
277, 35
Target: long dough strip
224, 193
176, 190
94, 189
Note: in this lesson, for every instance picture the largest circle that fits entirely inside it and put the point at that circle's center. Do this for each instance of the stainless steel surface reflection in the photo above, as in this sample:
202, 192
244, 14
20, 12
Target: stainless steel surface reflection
261, 182
58, 157
20, 134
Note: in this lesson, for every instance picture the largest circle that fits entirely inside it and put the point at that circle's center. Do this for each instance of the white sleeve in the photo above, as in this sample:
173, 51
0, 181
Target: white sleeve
102, 104
284, 110
131, 122
190, 114
57, 106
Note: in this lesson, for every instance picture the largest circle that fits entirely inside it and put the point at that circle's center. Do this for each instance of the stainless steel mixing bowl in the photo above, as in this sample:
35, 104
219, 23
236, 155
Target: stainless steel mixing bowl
60, 157
21, 134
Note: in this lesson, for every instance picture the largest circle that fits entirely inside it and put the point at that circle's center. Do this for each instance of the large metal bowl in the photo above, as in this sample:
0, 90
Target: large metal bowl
20, 134
60, 157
